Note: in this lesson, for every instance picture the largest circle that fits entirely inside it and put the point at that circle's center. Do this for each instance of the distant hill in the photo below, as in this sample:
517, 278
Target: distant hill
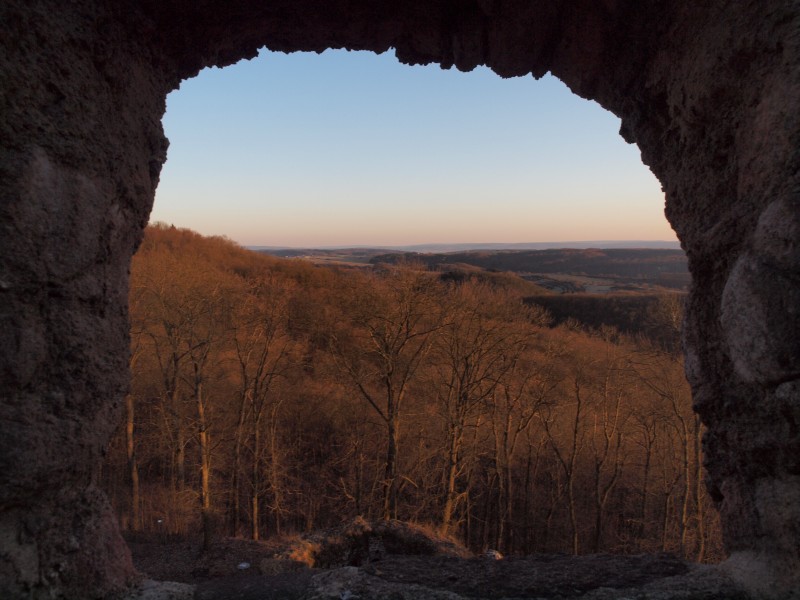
568, 270
561, 270
602, 244
464, 247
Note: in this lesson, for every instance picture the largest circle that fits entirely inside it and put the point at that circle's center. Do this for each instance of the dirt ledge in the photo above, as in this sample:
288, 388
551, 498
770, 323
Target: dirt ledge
222, 574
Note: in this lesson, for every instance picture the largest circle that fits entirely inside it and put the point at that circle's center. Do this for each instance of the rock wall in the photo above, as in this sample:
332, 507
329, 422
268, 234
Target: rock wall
81, 147
709, 91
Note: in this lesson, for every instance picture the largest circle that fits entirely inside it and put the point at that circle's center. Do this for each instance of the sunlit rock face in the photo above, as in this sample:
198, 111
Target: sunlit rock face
708, 90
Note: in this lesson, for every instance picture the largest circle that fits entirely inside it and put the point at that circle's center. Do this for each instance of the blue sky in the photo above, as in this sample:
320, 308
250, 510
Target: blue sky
353, 148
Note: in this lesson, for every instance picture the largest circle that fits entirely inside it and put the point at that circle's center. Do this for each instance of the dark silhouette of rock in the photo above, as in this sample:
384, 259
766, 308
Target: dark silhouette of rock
708, 90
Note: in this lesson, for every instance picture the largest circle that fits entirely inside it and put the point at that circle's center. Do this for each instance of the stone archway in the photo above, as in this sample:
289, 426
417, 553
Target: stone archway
709, 91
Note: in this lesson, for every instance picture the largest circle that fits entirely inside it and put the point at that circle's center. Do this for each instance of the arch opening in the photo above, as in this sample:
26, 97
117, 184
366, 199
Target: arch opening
709, 93
393, 160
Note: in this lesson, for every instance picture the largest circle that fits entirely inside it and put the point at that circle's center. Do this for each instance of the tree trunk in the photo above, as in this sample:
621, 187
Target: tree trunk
686, 494
256, 483
640, 529
698, 485
133, 467
236, 480
275, 470
390, 473
573, 515
205, 468
452, 472
665, 522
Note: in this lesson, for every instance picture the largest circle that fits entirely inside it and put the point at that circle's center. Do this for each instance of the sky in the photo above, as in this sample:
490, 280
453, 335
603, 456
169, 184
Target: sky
353, 148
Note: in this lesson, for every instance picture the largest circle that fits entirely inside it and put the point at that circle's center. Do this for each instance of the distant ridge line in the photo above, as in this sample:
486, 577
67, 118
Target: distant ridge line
443, 247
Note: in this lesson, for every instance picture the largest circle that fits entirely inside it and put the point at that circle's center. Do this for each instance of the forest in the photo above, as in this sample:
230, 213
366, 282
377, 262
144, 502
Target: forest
271, 397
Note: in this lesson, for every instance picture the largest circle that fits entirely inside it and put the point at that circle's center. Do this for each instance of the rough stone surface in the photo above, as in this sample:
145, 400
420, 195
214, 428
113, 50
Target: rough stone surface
161, 590
80, 127
351, 583
708, 90
598, 577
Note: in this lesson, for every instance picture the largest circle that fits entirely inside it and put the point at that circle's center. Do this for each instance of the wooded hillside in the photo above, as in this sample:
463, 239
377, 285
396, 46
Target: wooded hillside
270, 396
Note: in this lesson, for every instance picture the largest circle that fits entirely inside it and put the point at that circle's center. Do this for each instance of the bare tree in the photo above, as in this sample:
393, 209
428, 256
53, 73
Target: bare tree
474, 350
607, 434
394, 317
568, 443
158, 290
662, 374
523, 390
264, 355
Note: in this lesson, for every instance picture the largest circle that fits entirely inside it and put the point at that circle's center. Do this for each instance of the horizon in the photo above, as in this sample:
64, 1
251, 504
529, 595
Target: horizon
347, 149
565, 244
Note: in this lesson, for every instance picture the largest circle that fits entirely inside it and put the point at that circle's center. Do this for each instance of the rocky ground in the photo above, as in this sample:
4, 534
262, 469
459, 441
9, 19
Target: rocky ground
397, 561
